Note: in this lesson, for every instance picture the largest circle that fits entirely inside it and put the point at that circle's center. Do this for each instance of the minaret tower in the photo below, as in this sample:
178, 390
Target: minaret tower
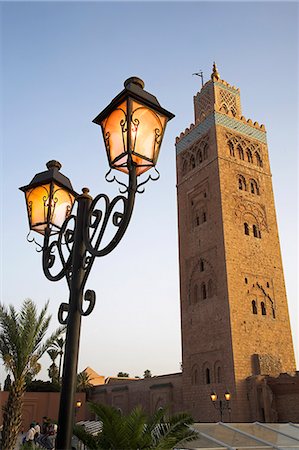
234, 312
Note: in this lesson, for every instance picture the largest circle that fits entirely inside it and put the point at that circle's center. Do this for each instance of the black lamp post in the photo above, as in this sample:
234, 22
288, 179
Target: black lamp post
221, 405
133, 126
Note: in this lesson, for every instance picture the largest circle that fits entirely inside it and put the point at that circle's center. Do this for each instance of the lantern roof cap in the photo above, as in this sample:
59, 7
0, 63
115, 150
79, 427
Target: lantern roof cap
134, 88
50, 175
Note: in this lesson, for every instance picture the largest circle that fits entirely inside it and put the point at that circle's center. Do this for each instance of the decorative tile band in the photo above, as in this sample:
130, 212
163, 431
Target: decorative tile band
229, 88
219, 119
240, 127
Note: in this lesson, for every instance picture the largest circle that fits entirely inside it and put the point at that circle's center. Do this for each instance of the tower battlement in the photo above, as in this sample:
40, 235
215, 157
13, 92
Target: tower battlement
218, 96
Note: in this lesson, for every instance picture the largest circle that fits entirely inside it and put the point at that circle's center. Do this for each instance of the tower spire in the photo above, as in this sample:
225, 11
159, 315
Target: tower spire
215, 74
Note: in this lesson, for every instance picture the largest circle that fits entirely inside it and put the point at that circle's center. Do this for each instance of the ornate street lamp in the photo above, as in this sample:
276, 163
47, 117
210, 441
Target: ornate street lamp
221, 405
133, 126
78, 406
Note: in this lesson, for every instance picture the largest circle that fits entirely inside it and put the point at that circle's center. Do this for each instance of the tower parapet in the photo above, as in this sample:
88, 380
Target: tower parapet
218, 103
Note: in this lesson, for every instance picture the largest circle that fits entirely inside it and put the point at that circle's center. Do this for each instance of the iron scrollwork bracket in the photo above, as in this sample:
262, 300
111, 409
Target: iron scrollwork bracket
97, 216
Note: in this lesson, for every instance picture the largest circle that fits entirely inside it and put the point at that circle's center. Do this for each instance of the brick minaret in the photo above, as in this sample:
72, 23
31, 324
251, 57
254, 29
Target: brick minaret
234, 310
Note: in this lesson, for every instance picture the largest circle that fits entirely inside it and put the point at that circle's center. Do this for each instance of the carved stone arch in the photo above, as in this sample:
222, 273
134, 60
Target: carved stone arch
258, 159
254, 210
211, 290
205, 151
240, 151
231, 148
199, 156
185, 166
249, 155
241, 180
223, 108
269, 303
192, 162
207, 375
195, 375
203, 290
254, 187
218, 372
206, 274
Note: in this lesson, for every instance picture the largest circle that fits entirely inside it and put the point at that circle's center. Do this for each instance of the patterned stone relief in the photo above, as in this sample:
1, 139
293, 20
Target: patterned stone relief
244, 207
244, 148
260, 293
227, 102
202, 274
203, 104
195, 155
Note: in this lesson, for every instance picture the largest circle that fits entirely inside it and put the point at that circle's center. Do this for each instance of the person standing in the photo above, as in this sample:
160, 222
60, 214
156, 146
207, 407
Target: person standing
37, 431
29, 438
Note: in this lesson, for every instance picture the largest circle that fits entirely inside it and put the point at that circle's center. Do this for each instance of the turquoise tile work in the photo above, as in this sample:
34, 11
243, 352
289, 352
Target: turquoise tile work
228, 88
194, 134
240, 127
220, 119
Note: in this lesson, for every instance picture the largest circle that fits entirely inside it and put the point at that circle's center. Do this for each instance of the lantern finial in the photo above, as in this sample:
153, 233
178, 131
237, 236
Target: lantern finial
134, 80
53, 164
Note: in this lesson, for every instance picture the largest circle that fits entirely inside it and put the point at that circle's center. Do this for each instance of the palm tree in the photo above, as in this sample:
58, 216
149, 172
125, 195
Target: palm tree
53, 369
22, 344
83, 382
136, 430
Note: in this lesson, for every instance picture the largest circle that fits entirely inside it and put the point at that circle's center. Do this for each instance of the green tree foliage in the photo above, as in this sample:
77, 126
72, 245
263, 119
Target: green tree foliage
136, 430
123, 374
22, 344
42, 386
83, 382
147, 374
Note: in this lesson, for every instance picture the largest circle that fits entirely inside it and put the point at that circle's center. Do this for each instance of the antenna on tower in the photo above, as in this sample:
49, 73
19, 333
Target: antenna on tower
199, 74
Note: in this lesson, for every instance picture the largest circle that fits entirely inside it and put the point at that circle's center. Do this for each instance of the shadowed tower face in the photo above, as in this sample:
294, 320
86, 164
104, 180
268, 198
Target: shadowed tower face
234, 310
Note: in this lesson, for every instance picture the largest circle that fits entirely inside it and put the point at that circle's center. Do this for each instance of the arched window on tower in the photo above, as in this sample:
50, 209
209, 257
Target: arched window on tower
185, 167
192, 162
205, 151
207, 376
263, 308
258, 159
249, 155
254, 189
203, 291
224, 108
240, 152
218, 375
242, 183
231, 148
254, 308
246, 228
201, 265
256, 231
194, 375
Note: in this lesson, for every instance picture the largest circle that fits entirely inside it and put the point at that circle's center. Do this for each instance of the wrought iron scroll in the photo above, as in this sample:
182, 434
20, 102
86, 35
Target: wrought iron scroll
62, 243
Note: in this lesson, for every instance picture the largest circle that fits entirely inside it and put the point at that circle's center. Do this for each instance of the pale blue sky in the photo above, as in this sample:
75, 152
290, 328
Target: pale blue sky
62, 63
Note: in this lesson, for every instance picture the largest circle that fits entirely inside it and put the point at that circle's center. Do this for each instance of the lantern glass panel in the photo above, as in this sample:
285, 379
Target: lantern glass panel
48, 205
114, 129
147, 128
